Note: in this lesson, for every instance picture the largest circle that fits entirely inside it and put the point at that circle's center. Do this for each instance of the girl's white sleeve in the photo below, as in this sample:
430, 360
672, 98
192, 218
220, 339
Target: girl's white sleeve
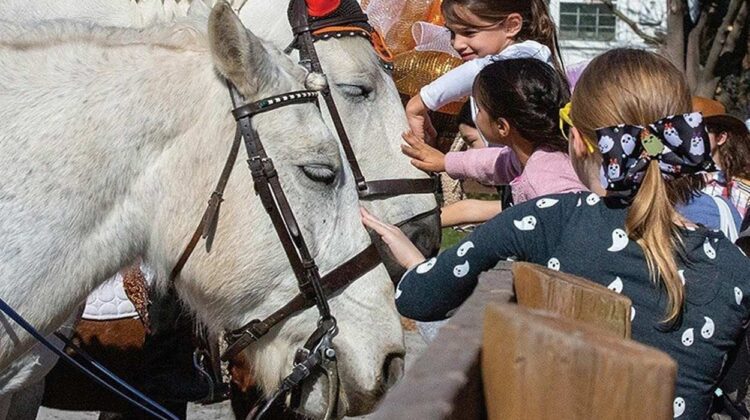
453, 85
458, 82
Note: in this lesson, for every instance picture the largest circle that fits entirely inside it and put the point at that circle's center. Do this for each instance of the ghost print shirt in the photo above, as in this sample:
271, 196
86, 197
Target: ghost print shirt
583, 234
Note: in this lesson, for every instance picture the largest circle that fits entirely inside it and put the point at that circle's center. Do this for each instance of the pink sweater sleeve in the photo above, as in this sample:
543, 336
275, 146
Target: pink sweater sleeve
490, 165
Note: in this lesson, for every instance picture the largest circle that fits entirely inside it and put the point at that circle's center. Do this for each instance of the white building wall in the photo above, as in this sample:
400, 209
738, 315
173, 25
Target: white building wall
641, 11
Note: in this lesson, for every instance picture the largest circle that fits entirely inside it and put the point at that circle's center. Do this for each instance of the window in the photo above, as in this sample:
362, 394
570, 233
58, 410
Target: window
586, 21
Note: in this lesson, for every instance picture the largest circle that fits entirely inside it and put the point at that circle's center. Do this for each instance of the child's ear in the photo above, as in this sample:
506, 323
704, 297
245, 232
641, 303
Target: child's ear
503, 127
577, 144
513, 24
722, 138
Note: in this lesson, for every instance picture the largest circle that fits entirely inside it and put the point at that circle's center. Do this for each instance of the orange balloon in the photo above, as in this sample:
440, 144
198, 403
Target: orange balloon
435, 14
399, 38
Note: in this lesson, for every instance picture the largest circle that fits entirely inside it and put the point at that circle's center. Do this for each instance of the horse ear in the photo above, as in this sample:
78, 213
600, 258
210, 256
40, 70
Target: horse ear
238, 54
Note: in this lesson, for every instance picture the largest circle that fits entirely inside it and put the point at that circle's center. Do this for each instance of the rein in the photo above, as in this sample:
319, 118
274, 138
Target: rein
91, 368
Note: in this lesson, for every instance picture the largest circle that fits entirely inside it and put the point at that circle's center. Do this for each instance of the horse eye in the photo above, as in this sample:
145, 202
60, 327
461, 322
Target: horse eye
319, 173
355, 91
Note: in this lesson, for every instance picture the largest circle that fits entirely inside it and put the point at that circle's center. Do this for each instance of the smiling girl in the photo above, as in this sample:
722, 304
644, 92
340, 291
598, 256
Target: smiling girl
482, 32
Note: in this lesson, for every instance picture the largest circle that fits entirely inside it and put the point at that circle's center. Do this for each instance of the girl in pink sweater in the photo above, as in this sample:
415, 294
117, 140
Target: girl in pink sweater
518, 102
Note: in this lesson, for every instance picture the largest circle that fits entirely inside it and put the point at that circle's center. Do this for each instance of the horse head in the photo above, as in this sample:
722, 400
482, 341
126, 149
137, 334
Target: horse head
129, 161
373, 115
321, 193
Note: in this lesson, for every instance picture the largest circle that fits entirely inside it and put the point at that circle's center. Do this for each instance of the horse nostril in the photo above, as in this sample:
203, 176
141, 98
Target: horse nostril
393, 369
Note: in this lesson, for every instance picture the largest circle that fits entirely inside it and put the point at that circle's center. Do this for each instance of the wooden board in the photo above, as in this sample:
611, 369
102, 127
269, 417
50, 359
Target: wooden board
541, 366
445, 382
571, 297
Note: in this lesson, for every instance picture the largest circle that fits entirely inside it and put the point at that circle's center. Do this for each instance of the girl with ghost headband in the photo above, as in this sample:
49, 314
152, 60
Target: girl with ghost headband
689, 285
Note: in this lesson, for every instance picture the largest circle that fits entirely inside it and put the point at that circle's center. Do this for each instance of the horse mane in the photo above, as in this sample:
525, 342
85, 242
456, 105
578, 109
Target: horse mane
188, 34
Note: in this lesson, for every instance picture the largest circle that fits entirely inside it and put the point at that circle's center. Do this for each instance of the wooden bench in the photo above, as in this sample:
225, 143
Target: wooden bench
446, 381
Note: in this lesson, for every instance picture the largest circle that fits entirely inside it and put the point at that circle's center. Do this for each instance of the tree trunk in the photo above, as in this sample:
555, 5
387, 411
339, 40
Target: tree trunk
674, 41
703, 79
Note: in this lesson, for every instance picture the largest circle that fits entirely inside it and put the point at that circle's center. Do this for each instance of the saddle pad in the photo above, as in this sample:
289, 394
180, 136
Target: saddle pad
109, 301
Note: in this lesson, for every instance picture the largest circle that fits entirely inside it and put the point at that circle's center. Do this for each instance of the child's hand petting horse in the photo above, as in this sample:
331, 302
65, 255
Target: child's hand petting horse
423, 156
406, 254
419, 120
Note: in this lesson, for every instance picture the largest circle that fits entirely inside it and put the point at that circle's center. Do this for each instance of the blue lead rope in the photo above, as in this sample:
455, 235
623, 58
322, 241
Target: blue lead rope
118, 386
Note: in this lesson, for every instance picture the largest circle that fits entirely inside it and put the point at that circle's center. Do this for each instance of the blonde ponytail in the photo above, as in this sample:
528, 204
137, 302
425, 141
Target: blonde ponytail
628, 86
650, 222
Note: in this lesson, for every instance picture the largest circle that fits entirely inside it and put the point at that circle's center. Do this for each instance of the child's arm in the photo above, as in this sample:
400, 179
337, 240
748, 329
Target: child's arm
491, 165
453, 85
447, 88
458, 82
469, 211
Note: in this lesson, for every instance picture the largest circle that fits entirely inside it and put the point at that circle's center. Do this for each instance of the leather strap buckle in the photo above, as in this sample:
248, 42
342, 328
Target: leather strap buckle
238, 340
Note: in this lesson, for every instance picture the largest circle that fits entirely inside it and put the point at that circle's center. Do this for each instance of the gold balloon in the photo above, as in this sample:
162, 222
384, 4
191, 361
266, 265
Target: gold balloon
415, 69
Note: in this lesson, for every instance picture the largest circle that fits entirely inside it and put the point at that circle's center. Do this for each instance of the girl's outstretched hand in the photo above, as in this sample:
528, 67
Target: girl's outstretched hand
407, 255
423, 156
419, 121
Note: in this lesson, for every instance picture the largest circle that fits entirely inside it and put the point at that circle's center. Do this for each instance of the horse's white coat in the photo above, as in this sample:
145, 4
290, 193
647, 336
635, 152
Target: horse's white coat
112, 141
349, 63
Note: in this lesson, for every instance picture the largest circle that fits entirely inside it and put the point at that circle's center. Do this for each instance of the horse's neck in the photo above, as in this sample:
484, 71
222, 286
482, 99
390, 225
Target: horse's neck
98, 138
125, 13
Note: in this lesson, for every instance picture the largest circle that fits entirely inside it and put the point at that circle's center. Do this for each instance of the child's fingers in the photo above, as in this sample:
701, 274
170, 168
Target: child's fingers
411, 152
411, 139
374, 226
384, 230
431, 130
421, 165
416, 127
374, 223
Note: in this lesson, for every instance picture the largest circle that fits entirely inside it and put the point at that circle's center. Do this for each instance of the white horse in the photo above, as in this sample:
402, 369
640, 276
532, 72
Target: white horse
111, 142
365, 94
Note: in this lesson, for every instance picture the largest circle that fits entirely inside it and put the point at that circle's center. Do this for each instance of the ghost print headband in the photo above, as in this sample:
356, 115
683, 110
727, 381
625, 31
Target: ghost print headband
679, 143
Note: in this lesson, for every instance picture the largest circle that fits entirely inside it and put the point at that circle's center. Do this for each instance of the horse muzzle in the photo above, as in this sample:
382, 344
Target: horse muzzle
423, 230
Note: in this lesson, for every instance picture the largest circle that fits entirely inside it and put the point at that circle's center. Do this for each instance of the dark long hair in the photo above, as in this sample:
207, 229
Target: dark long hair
537, 23
528, 94
734, 158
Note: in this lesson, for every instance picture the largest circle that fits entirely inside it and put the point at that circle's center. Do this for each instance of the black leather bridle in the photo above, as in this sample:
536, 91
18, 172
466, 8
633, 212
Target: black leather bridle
318, 351
306, 33
313, 289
